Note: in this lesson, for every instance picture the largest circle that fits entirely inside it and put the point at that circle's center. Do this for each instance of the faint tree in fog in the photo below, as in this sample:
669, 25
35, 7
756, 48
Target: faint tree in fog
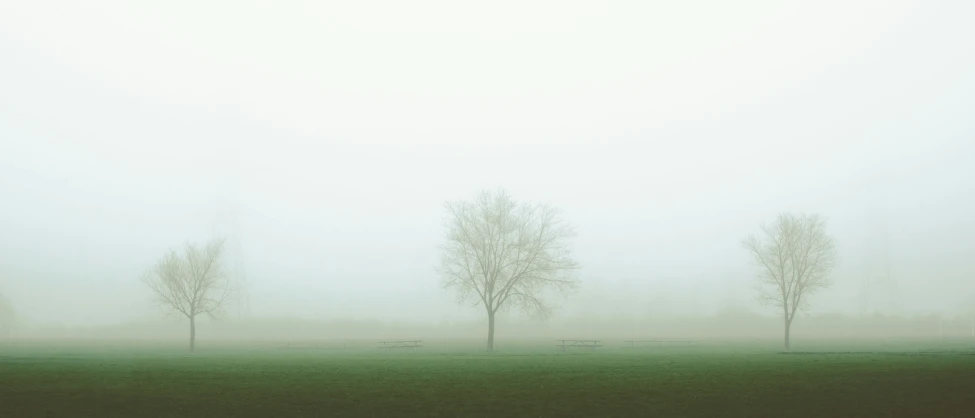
795, 256
191, 283
501, 254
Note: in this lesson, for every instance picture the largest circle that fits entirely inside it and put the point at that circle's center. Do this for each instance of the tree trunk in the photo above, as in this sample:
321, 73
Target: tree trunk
490, 341
192, 333
788, 325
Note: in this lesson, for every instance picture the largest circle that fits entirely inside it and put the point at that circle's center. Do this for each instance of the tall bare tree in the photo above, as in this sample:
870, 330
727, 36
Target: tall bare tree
795, 256
191, 283
501, 254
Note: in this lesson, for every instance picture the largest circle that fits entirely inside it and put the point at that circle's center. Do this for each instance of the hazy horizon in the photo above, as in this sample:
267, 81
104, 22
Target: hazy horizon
322, 140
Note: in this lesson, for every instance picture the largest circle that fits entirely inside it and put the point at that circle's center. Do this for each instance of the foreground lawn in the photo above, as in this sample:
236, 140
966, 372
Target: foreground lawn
265, 381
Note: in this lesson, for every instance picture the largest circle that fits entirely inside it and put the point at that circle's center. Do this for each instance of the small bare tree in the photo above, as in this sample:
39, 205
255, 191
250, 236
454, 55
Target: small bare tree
795, 256
502, 254
191, 284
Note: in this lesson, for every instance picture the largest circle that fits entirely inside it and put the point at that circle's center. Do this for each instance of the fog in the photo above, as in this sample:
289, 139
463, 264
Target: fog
322, 140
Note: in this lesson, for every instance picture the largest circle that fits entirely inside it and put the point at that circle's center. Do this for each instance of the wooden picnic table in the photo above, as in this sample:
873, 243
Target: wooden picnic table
566, 344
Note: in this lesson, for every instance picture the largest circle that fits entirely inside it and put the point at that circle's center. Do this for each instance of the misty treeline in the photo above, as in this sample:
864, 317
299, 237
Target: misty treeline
503, 256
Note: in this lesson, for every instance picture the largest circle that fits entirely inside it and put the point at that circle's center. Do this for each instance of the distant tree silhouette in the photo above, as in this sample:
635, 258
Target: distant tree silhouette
191, 283
501, 254
795, 256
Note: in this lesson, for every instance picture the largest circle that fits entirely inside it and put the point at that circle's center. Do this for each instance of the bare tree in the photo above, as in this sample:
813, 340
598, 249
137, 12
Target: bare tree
501, 254
795, 256
191, 283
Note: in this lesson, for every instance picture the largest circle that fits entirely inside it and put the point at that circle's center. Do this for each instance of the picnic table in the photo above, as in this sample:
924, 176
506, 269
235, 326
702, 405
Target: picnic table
567, 344
414, 344
660, 343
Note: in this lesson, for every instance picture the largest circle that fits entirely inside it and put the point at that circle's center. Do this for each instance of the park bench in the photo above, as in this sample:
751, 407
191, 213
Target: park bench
414, 344
567, 344
660, 343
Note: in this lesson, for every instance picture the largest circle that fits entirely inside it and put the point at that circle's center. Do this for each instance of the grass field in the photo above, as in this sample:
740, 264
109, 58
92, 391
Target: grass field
447, 379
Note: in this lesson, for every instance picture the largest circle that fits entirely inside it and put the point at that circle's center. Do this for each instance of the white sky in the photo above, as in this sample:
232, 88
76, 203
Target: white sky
667, 131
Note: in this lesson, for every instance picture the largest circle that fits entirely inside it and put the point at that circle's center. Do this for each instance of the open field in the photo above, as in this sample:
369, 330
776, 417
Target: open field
455, 379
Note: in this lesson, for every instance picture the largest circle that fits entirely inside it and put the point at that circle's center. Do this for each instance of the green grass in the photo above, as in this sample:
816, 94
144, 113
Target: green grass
531, 379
